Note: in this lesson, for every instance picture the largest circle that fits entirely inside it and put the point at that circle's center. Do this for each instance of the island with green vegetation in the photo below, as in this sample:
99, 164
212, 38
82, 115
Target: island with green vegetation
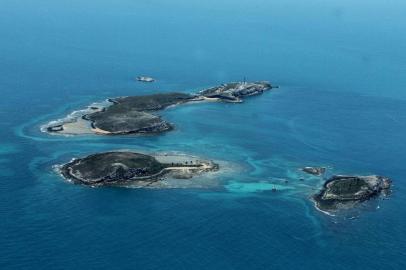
138, 114
343, 192
134, 114
120, 168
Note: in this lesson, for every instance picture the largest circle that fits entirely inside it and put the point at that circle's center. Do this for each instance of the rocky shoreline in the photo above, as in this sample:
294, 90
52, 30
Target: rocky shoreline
343, 191
340, 192
235, 92
137, 114
125, 167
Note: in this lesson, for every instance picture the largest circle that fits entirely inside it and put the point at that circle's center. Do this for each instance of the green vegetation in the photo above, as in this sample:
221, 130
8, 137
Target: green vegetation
148, 103
127, 114
100, 165
347, 186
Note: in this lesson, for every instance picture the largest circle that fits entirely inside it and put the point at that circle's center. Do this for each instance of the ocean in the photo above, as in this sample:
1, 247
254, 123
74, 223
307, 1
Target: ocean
341, 103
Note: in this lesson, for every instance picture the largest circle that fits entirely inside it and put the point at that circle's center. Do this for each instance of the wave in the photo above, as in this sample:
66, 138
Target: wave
75, 115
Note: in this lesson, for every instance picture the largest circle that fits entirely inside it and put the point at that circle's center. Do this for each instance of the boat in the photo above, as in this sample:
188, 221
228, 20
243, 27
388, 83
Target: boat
145, 79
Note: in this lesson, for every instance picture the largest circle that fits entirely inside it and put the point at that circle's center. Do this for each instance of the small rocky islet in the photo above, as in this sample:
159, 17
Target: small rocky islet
346, 191
314, 170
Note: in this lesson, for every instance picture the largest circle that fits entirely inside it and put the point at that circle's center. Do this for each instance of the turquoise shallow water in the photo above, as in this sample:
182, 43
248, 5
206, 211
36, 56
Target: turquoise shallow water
341, 103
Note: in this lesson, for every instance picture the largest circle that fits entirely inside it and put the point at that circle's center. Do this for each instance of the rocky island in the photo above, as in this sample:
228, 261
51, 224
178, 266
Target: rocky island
314, 170
137, 114
131, 168
234, 92
341, 191
145, 79
133, 114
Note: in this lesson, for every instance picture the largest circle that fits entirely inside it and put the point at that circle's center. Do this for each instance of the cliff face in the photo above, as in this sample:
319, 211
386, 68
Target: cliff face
340, 190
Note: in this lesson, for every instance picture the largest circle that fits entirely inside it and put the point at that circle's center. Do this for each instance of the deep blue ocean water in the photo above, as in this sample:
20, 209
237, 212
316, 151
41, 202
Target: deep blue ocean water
341, 69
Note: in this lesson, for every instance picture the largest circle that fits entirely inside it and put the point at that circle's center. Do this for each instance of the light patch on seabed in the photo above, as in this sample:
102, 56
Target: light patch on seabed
299, 194
281, 179
288, 187
8, 149
257, 168
4, 170
250, 187
287, 183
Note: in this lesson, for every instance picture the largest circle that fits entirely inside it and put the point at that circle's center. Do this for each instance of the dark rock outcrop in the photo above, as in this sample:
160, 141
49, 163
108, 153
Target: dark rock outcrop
234, 92
314, 170
56, 128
